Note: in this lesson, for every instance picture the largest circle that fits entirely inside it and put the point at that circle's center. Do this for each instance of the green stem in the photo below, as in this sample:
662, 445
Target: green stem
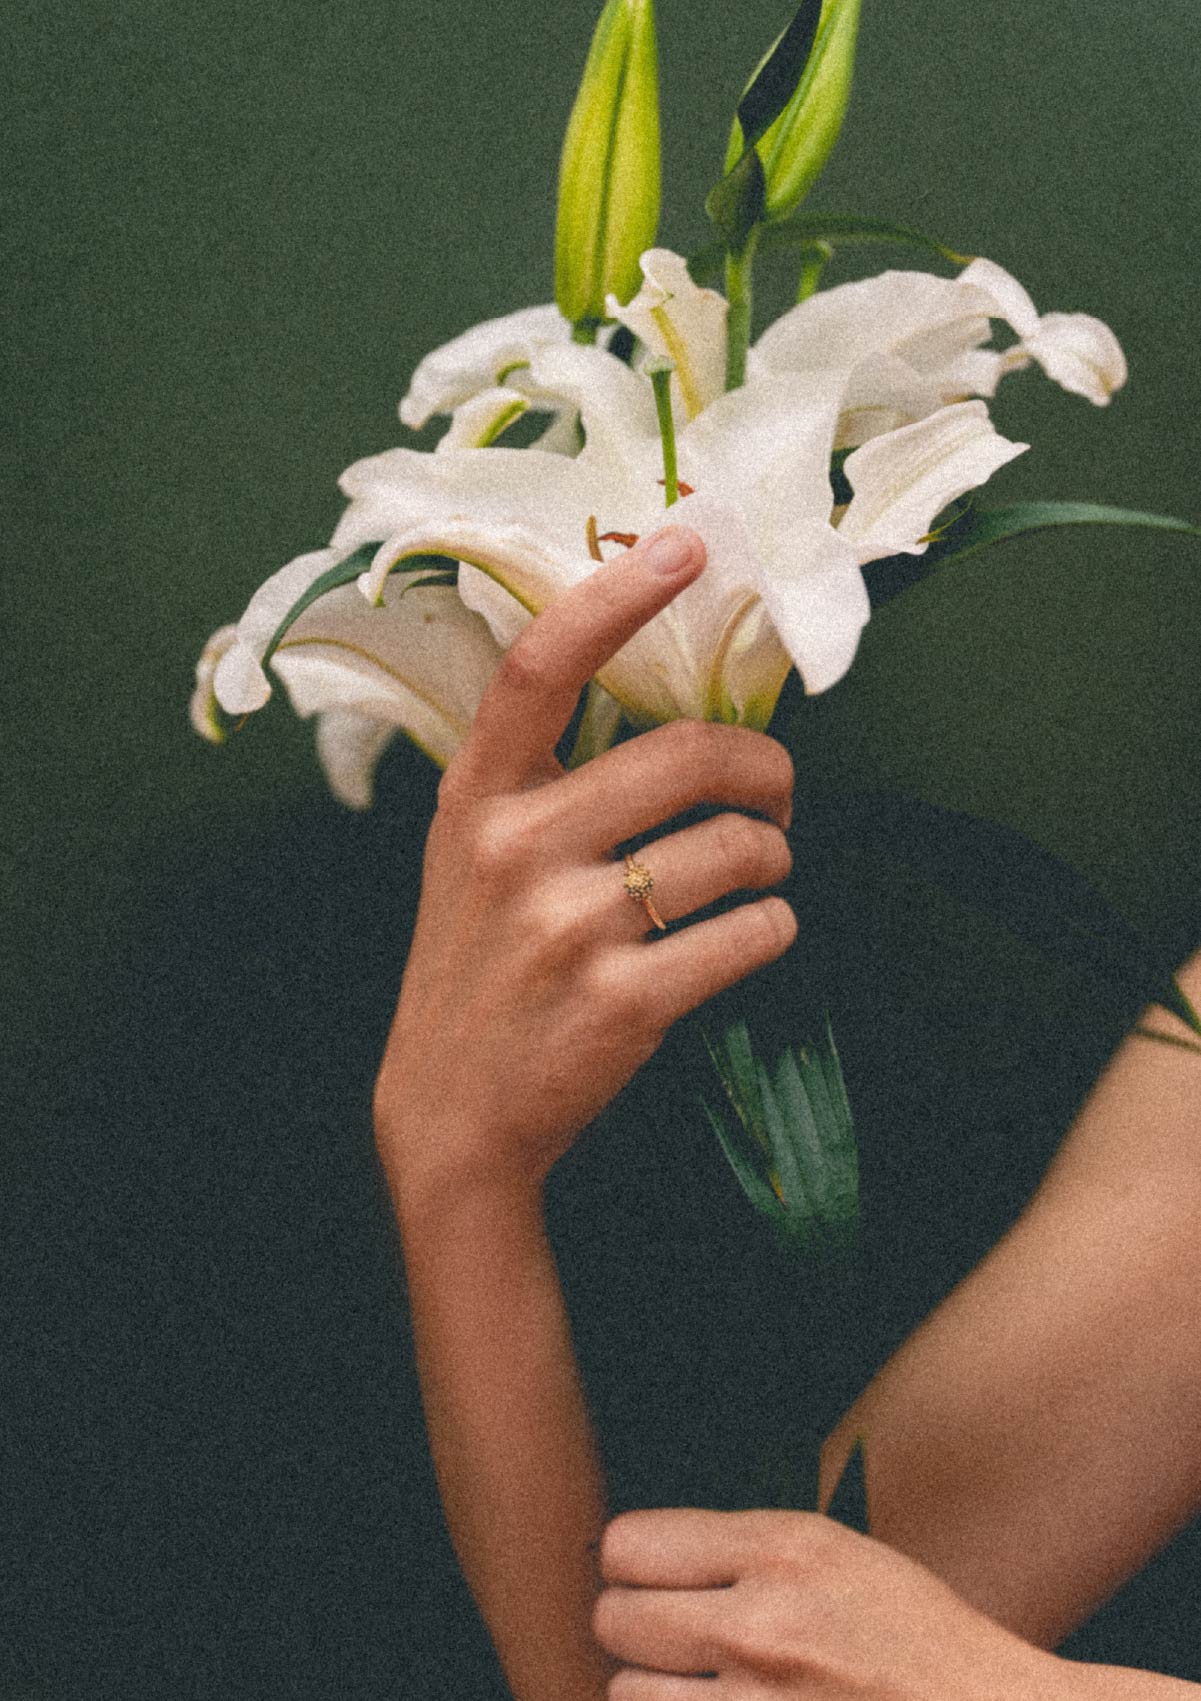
814, 258
739, 268
660, 376
584, 331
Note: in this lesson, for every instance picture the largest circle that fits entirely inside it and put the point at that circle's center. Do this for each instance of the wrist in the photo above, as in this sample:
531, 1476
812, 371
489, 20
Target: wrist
440, 1195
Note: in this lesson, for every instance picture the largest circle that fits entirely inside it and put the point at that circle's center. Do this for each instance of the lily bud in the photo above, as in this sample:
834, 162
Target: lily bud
798, 143
609, 170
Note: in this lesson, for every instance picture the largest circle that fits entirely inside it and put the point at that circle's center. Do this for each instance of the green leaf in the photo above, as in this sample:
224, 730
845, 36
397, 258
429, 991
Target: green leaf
345, 573
773, 85
735, 204
849, 230
997, 870
837, 230
848, 1503
786, 1132
978, 528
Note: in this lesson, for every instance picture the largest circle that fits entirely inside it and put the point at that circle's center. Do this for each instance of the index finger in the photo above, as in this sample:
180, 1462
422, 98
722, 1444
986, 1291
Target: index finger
534, 691
682, 1548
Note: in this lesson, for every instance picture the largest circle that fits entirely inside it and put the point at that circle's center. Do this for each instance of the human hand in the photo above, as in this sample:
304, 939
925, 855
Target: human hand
790, 1604
531, 993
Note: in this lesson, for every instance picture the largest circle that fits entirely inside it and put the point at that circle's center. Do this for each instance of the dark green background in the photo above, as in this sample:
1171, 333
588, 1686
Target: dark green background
231, 233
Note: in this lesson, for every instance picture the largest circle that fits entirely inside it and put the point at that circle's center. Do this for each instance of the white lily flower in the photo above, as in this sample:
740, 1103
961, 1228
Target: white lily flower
915, 343
783, 584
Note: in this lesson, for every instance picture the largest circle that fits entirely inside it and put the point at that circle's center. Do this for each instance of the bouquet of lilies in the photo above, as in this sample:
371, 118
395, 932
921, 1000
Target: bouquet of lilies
852, 430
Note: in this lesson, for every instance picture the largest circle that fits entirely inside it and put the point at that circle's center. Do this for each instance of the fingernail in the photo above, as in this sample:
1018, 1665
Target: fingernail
673, 550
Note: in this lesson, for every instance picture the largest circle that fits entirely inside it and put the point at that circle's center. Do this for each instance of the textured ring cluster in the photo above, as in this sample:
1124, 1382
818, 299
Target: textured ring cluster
639, 883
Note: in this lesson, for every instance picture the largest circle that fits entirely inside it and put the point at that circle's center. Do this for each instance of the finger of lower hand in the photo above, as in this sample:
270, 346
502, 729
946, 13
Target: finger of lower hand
673, 976
683, 1547
533, 694
669, 1630
644, 782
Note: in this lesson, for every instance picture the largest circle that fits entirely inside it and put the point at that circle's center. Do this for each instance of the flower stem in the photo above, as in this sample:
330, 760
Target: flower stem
814, 257
584, 331
739, 267
659, 372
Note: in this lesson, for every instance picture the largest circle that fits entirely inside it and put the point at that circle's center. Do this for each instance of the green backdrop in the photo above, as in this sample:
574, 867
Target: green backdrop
231, 232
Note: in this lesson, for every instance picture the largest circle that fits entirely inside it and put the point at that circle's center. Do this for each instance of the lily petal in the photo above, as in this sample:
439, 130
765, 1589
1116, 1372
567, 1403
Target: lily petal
392, 492
817, 601
202, 710
884, 314
681, 322
1080, 353
765, 448
1010, 300
477, 360
349, 747
420, 664
239, 682
935, 326
903, 480
479, 422
616, 407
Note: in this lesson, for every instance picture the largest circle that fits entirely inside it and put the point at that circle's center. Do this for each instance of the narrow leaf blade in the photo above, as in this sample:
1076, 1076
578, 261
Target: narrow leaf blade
775, 82
837, 230
977, 529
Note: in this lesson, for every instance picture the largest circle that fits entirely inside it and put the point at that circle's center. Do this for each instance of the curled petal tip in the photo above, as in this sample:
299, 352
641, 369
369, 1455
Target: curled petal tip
239, 684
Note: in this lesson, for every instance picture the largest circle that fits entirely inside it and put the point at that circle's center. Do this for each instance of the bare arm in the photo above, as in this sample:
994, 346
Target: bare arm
1039, 1437
530, 997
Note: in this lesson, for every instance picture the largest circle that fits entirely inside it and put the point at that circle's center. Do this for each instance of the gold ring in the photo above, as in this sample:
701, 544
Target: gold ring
639, 883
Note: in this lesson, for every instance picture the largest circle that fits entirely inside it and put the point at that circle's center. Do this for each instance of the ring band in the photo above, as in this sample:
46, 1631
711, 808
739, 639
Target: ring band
639, 883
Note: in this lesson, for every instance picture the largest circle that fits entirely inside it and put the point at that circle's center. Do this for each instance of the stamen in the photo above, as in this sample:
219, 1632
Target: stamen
659, 372
685, 489
594, 548
628, 539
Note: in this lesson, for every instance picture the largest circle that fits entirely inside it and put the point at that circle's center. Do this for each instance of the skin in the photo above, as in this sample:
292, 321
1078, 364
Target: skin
790, 1605
531, 966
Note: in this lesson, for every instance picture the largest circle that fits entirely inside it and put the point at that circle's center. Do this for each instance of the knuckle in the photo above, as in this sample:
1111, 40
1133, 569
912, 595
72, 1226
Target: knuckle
619, 997
739, 842
692, 743
806, 1540
523, 668
497, 845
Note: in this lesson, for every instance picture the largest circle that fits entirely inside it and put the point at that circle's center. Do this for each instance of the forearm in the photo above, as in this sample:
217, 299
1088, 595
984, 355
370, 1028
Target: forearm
508, 1427
1040, 1436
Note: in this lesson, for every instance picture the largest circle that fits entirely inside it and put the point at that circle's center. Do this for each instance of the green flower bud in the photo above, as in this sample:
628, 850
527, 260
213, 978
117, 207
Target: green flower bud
609, 171
797, 144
